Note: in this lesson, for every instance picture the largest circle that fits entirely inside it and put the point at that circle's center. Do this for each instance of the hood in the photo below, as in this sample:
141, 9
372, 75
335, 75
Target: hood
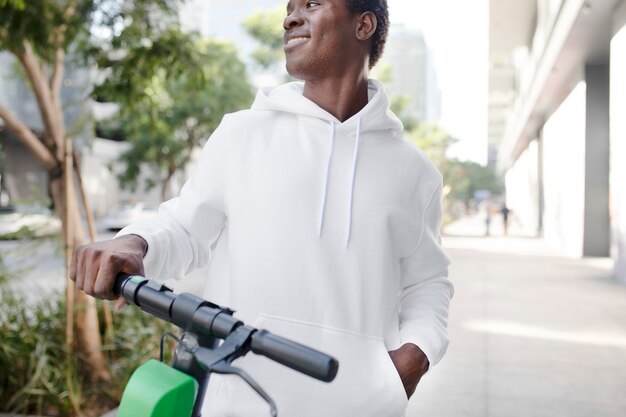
375, 116
289, 98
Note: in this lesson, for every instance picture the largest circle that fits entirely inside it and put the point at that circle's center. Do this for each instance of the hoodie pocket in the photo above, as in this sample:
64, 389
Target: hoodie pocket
367, 383
395, 380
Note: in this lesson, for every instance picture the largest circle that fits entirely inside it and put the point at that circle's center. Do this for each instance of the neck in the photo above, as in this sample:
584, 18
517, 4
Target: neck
343, 98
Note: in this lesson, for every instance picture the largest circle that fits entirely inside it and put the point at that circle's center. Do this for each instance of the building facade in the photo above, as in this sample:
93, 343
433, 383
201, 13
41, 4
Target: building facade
23, 176
413, 72
223, 20
557, 101
23, 179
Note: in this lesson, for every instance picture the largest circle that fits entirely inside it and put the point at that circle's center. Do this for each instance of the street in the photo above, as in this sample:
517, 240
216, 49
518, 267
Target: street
37, 266
532, 333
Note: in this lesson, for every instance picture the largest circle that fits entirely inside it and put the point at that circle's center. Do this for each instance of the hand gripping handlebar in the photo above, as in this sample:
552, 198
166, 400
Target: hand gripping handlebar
205, 319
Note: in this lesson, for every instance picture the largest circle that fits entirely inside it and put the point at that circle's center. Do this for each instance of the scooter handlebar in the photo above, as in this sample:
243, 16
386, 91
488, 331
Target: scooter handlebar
198, 315
295, 356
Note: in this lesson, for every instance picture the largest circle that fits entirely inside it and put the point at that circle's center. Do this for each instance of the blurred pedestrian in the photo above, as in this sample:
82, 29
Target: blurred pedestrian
487, 207
505, 218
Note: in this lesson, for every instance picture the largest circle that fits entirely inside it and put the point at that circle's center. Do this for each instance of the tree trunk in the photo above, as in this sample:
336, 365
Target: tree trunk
165, 189
55, 154
109, 334
87, 340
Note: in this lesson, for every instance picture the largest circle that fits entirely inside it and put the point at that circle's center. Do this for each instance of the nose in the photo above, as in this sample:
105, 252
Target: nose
292, 21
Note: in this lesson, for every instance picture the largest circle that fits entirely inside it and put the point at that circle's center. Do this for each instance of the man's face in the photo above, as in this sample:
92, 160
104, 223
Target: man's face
319, 38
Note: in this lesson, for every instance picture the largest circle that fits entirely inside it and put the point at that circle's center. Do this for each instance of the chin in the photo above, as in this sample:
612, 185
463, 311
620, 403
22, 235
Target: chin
295, 71
307, 70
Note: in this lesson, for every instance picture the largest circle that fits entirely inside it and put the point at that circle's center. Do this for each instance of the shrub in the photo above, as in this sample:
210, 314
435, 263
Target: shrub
38, 377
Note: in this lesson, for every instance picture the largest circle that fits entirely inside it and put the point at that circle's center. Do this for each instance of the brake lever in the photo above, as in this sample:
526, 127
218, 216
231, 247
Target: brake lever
223, 367
219, 360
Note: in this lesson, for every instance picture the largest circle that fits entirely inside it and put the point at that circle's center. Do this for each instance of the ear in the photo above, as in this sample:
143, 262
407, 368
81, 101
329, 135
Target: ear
366, 26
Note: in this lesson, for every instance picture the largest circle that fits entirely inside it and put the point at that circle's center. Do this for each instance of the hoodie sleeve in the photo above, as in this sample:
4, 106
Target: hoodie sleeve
426, 290
186, 227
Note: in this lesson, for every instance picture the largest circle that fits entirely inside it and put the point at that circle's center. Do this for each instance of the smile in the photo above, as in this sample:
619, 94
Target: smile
293, 42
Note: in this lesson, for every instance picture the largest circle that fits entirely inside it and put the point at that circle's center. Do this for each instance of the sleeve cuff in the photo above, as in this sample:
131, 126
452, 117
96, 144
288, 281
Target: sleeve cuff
431, 342
152, 263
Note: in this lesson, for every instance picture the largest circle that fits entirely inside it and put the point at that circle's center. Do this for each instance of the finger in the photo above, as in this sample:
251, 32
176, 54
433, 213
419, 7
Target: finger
73, 264
91, 271
80, 268
104, 280
120, 304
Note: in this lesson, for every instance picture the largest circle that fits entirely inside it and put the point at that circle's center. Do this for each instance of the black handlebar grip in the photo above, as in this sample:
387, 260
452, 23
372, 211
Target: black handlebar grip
118, 285
295, 356
217, 323
127, 286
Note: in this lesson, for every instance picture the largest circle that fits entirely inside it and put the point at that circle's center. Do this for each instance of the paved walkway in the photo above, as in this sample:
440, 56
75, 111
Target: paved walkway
532, 333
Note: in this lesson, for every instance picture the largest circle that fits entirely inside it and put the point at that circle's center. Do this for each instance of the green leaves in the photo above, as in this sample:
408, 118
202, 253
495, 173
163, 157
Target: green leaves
138, 67
267, 29
45, 24
16, 4
169, 110
461, 178
39, 377
172, 88
433, 140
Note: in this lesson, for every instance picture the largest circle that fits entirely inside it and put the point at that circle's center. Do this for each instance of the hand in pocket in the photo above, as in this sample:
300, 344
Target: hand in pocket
411, 364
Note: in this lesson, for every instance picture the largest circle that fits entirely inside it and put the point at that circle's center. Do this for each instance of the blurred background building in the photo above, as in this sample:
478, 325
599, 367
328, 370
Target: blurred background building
25, 181
223, 20
556, 120
412, 72
23, 177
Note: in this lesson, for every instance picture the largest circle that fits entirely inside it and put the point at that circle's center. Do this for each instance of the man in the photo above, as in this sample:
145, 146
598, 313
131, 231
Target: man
319, 223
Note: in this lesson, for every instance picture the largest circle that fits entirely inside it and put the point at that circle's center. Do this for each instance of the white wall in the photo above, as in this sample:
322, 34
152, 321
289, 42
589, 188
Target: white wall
522, 189
100, 181
618, 141
100, 165
25, 178
564, 173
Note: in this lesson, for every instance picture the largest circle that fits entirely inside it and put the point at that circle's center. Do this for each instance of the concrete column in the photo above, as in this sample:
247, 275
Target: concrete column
597, 226
563, 171
618, 140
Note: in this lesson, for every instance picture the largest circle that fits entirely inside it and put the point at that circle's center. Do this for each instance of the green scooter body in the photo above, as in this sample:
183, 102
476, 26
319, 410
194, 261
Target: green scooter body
158, 390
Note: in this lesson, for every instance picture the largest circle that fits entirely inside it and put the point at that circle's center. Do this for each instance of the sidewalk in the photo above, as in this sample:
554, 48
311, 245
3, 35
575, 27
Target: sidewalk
532, 333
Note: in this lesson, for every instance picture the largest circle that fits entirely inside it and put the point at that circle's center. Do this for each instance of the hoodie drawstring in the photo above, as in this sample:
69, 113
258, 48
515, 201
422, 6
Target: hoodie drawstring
351, 190
352, 179
325, 194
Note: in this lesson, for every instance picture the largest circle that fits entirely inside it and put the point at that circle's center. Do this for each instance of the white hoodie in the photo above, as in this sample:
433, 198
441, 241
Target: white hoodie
320, 231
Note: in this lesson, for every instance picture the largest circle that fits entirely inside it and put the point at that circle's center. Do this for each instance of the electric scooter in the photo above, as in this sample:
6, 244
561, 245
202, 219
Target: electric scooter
211, 340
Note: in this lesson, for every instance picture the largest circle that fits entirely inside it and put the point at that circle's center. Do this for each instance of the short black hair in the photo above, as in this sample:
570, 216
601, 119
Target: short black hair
380, 9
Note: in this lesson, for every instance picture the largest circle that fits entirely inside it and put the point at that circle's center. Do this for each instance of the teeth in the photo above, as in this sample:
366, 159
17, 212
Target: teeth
301, 38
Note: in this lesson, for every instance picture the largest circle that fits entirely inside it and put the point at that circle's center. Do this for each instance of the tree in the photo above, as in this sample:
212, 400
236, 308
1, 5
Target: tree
178, 112
461, 178
400, 107
267, 29
434, 141
464, 178
40, 36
